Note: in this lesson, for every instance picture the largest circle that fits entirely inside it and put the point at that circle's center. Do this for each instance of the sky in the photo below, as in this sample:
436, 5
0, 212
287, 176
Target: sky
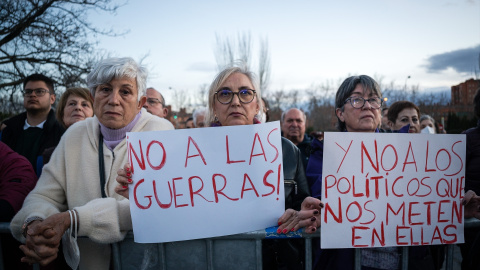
435, 42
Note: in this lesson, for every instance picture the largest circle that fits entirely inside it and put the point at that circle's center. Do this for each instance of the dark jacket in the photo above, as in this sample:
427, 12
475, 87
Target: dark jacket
53, 131
296, 186
288, 254
304, 147
472, 159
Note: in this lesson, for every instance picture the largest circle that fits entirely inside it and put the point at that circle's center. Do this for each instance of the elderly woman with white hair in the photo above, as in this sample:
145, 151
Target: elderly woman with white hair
75, 193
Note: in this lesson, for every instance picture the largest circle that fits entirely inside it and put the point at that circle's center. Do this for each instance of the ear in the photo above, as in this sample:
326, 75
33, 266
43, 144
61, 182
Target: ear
141, 102
390, 124
52, 99
339, 114
165, 112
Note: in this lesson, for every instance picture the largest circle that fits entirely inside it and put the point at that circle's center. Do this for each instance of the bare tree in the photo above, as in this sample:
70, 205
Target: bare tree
181, 99
52, 37
228, 50
202, 95
264, 65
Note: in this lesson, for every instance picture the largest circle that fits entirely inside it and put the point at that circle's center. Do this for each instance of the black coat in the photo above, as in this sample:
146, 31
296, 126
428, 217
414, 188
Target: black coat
53, 131
289, 254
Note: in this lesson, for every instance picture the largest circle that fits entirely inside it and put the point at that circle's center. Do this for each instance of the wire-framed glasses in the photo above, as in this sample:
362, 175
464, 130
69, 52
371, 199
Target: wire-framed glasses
154, 102
359, 102
39, 92
225, 96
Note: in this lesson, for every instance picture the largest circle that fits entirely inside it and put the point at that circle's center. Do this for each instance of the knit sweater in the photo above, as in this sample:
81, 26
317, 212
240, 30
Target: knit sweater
71, 181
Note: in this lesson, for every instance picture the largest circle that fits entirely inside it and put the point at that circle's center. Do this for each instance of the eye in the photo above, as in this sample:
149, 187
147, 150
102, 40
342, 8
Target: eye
72, 103
225, 93
124, 92
374, 101
357, 100
104, 89
86, 104
245, 92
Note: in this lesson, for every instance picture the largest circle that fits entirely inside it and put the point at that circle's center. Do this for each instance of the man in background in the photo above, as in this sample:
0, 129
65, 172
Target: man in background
36, 129
293, 123
155, 103
199, 117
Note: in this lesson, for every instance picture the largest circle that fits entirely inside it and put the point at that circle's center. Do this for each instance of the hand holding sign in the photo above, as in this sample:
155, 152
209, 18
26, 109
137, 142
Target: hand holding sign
124, 178
472, 204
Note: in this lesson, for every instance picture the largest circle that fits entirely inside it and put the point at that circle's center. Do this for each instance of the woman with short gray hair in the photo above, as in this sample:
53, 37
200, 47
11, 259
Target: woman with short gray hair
357, 106
76, 191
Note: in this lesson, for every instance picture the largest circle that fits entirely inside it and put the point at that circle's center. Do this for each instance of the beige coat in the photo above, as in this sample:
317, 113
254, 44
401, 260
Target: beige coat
71, 181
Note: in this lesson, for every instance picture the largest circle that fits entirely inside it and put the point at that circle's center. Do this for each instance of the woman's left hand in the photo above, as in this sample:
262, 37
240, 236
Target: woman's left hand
124, 178
43, 239
308, 217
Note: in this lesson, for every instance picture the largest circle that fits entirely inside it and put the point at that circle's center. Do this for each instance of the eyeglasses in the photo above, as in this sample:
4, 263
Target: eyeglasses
39, 92
154, 101
359, 102
225, 96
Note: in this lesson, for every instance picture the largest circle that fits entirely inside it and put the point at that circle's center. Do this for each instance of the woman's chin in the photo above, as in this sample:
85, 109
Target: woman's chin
236, 122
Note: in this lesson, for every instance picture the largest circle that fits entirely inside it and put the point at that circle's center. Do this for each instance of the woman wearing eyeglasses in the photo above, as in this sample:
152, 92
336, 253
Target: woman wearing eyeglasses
357, 107
233, 99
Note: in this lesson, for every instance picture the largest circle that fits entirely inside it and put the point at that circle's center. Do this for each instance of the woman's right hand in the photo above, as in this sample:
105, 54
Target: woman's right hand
124, 178
471, 201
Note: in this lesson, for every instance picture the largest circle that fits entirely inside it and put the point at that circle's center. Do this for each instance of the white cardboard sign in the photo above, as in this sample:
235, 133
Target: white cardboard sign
205, 182
385, 190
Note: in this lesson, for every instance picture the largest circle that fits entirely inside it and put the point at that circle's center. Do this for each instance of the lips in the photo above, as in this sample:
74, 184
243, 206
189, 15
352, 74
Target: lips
236, 114
113, 113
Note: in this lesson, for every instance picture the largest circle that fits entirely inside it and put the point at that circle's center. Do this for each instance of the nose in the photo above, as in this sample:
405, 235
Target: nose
235, 100
367, 105
78, 107
114, 97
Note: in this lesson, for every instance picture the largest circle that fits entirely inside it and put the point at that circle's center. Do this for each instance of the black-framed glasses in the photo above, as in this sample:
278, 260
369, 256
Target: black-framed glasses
359, 102
154, 102
225, 96
39, 92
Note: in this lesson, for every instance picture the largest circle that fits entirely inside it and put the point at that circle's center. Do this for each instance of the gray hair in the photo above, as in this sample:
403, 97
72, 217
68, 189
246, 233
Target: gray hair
221, 77
425, 117
111, 68
196, 113
161, 96
346, 89
285, 112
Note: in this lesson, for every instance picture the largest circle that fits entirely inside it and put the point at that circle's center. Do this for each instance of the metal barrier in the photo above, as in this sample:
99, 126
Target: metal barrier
210, 252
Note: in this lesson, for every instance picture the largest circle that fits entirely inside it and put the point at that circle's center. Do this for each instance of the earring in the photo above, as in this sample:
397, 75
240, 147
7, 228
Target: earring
216, 118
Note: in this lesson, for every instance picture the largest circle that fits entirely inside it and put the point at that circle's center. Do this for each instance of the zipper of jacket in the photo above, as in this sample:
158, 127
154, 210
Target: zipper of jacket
292, 182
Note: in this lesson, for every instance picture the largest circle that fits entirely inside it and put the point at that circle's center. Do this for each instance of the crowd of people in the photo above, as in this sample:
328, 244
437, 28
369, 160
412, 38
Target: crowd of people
65, 173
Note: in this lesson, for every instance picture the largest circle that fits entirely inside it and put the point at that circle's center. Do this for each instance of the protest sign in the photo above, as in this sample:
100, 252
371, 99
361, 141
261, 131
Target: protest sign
385, 190
205, 182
